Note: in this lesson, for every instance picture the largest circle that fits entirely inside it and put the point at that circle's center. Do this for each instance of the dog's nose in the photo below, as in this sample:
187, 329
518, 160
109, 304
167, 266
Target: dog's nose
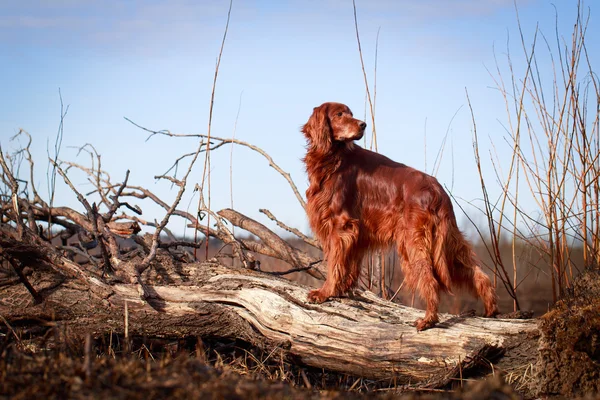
362, 125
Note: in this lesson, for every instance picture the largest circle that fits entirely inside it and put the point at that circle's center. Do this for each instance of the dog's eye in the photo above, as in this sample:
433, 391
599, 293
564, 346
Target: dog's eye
339, 114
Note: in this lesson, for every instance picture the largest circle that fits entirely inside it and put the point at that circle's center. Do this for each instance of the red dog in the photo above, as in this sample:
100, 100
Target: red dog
359, 200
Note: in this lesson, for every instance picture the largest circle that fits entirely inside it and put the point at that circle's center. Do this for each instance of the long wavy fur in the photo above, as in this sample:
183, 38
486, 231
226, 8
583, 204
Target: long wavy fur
359, 201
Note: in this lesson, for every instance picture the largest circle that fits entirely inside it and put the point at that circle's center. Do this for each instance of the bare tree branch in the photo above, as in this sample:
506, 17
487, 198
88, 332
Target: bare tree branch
223, 141
310, 241
280, 246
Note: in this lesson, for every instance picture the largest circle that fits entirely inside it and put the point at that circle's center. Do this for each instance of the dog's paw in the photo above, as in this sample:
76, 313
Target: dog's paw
492, 313
423, 324
317, 296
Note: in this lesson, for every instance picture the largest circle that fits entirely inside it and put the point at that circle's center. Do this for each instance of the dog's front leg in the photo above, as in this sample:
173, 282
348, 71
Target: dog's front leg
343, 260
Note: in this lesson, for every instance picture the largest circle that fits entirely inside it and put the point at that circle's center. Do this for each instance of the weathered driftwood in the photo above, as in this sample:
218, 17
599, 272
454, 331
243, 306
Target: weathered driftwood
365, 336
277, 247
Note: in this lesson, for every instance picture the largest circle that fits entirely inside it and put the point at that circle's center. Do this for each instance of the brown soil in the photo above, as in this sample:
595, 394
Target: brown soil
518, 363
569, 353
35, 362
53, 367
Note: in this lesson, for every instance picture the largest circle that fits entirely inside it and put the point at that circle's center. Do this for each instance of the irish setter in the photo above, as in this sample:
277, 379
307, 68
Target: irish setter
359, 200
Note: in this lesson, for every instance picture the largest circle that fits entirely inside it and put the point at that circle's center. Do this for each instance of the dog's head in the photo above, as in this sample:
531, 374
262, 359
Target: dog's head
331, 122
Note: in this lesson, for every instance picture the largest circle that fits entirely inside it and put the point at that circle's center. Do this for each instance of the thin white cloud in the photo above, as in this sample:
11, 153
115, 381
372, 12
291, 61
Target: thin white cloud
427, 9
456, 8
38, 22
156, 26
111, 26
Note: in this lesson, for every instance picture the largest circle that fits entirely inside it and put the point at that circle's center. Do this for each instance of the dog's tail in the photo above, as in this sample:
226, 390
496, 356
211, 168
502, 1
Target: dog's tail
457, 265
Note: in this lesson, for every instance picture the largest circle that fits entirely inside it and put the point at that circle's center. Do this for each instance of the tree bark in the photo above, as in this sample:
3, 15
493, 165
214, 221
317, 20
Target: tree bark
364, 336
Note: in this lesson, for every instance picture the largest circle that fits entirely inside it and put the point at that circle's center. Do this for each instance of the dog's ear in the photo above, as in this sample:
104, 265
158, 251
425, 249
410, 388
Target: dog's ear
318, 129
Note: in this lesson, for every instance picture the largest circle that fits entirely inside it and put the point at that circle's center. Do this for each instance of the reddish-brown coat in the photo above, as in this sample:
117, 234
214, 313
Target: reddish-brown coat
359, 200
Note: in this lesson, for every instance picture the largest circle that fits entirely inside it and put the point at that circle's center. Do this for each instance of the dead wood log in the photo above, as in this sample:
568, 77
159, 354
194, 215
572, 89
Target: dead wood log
364, 336
124, 229
279, 247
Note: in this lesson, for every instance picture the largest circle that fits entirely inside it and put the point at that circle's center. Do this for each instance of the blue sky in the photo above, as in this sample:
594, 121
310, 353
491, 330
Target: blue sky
154, 61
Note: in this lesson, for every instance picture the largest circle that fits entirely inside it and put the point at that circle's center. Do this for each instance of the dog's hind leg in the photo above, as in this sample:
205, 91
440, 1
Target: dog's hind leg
417, 265
420, 277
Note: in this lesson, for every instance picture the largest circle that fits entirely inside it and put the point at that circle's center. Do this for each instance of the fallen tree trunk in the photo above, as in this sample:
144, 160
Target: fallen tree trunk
167, 296
364, 336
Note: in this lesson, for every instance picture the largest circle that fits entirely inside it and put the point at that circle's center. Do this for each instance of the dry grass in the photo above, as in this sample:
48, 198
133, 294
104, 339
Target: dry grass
552, 124
521, 377
51, 366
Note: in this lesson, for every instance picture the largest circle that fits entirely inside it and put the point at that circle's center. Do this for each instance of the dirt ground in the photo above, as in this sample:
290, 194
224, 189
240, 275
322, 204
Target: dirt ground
39, 360
569, 351
67, 373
